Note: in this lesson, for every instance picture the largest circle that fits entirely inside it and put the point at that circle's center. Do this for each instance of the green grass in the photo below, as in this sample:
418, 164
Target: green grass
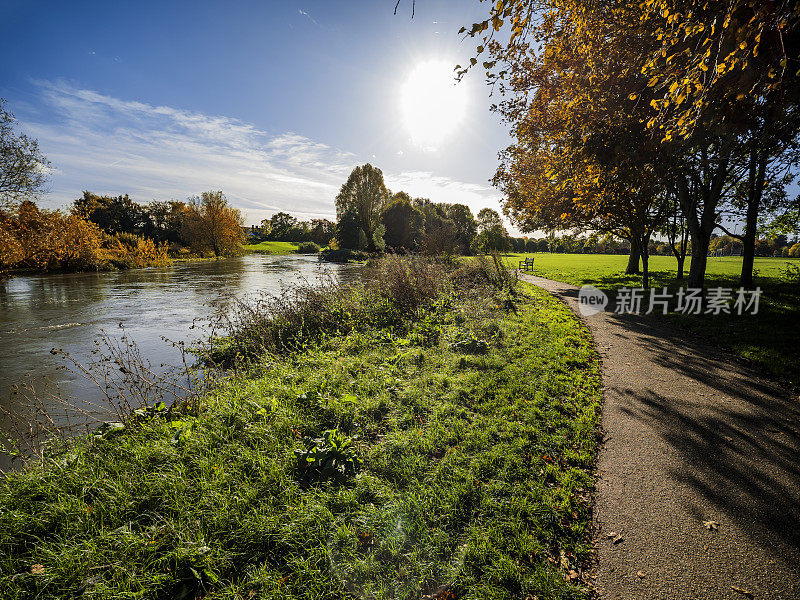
768, 339
473, 435
609, 269
271, 248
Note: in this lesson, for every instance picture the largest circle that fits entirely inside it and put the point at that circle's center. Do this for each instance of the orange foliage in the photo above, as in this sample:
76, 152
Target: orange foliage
34, 238
50, 240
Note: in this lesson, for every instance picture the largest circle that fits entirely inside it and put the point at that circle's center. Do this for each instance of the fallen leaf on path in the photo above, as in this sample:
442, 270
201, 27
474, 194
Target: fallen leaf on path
711, 525
573, 575
641, 575
612, 534
618, 539
743, 592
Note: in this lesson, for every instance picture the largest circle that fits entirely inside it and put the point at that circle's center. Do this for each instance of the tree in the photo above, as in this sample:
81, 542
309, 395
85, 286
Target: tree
31, 237
720, 85
321, 231
677, 233
405, 224
163, 220
281, 226
465, 224
492, 235
582, 156
23, 168
210, 223
363, 197
113, 215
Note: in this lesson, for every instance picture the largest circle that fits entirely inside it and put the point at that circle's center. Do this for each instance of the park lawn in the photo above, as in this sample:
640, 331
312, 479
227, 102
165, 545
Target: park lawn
271, 248
467, 440
608, 270
768, 339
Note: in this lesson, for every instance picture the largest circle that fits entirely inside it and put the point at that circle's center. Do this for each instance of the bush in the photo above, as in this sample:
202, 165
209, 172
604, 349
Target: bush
342, 255
407, 283
392, 291
307, 248
130, 251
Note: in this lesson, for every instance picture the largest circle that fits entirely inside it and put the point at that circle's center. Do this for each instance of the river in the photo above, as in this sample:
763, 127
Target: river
70, 311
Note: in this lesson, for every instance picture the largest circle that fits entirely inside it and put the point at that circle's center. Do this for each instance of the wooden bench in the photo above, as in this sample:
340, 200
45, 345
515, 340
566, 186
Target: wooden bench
526, 265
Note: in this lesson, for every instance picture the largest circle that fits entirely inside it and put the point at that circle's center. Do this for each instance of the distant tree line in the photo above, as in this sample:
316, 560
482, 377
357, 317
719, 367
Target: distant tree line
371, 218
283, 227
597, 243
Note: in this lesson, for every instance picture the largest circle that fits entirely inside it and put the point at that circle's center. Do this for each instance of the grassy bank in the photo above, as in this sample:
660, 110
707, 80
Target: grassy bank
430, 432
768, 339
280, 248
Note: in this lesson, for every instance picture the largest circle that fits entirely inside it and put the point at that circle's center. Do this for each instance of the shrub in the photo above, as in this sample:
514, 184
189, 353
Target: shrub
130, 251
307, 248
408, 283
392, 291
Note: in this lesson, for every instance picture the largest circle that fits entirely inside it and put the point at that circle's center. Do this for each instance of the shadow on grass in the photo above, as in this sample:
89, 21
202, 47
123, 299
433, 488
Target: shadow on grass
768, 339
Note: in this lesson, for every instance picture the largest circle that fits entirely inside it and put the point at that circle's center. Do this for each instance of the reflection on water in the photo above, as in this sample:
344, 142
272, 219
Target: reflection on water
38, 313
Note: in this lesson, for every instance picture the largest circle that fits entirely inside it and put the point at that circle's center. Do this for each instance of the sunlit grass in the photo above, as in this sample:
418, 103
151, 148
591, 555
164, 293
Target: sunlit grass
272, 248
768, 339
599, 269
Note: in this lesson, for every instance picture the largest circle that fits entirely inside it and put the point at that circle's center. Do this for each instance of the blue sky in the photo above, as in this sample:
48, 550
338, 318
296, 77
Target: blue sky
272, 102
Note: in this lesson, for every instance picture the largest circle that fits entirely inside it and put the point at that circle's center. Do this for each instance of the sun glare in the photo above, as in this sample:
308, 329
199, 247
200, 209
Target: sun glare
432, 104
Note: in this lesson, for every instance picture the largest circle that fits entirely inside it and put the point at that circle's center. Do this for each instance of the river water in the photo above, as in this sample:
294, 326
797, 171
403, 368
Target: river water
70, 311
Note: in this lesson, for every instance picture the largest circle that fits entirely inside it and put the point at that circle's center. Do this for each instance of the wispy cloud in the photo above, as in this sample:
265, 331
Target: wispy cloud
114, 146
307, 14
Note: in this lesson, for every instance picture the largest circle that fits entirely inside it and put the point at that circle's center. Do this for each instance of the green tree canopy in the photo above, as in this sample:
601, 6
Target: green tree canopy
363, 196
405, 223
23, 168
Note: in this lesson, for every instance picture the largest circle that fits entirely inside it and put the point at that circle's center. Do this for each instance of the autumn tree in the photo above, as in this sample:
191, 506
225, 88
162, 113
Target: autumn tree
211, 224
23, 168
34, 238
360, 202
582, 157
720, 86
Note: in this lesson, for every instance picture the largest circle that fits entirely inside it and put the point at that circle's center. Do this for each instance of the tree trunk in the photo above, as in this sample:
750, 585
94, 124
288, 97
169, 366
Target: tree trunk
633, 259
749, 245
645, 269
697, 268
756, 190
681, 260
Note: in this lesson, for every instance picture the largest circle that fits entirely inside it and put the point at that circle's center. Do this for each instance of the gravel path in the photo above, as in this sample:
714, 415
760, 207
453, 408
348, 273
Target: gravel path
691, 436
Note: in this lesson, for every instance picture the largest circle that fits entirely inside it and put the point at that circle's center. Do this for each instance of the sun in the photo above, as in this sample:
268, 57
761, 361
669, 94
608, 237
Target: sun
432, 104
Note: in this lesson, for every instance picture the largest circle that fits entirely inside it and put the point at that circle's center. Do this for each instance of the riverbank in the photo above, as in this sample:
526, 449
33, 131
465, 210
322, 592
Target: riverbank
432, 431
282, 248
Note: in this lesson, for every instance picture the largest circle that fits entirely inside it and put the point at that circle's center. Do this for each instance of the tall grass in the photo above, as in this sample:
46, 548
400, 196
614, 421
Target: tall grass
393, 290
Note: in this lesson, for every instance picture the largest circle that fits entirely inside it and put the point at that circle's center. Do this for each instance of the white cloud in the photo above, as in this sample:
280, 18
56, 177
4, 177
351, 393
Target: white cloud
114, 146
